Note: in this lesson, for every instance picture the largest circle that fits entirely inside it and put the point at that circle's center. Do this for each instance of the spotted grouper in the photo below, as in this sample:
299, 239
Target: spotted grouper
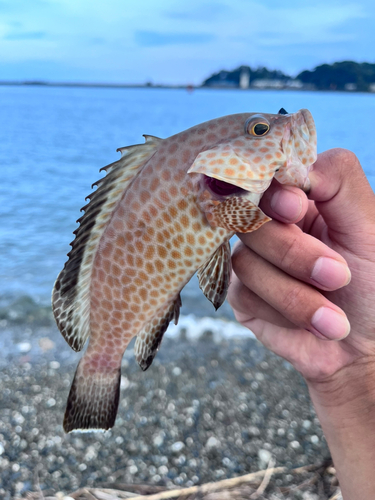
165, 210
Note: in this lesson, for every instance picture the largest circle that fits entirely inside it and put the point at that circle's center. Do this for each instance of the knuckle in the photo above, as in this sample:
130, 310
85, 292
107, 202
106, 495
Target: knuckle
320, 372
239, 299
289, 252
344, 157
239, 253
234, 292
294, 303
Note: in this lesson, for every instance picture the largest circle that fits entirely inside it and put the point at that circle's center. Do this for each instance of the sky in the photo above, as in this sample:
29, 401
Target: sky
177, 42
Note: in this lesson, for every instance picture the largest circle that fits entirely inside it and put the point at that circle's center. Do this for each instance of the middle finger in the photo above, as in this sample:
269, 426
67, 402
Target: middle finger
301, 304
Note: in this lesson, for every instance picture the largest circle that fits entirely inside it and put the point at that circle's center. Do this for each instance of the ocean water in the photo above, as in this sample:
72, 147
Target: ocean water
53, 141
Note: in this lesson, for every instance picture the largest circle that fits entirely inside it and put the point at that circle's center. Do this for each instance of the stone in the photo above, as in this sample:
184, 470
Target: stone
212, 442
177, 446
24, 347
46, 344
264, 457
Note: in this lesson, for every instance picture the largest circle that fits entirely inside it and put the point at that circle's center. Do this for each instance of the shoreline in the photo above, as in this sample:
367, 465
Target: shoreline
187, 87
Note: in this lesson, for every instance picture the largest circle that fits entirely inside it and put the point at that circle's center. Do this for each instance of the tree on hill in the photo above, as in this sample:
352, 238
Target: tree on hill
336, 76
232, 78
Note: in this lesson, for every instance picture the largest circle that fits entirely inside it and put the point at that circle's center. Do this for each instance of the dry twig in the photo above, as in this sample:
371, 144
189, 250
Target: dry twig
211, 487
102, 494
265, 482
336, 496
250, 486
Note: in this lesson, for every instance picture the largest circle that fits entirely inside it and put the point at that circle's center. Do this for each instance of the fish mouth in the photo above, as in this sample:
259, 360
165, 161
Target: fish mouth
304, 126
308, 120
221, 188
299, 145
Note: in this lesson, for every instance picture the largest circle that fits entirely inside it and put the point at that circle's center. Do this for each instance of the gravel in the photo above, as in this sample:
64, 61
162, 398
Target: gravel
203, 411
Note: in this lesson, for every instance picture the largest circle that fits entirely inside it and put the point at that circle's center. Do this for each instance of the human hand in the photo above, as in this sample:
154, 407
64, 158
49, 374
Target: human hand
290, 281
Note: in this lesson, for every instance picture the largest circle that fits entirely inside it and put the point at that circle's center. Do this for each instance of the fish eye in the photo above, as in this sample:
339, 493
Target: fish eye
259, 129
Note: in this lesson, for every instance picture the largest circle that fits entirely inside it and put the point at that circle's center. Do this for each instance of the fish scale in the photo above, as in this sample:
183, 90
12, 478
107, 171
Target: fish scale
165, 210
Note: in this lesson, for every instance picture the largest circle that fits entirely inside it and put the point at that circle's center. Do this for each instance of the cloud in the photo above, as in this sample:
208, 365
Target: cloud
175, 42
153, 38
97, 40
26, 35
16, 6
207, 10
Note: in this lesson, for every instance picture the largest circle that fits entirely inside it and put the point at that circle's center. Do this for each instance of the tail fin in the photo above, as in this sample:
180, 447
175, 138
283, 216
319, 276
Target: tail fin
93, 400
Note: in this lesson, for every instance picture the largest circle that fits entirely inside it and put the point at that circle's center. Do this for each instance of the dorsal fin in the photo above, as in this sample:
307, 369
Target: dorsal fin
71, 293
152, 139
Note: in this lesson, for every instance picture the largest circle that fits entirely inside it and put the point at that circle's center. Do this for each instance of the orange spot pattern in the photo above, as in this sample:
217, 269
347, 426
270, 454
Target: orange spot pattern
154, 253
158, 236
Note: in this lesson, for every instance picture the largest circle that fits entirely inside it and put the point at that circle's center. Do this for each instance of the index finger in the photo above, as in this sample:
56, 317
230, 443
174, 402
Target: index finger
287, 204
343, 197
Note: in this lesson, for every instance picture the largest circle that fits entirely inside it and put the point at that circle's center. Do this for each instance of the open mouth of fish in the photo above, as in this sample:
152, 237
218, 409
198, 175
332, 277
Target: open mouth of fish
221, 188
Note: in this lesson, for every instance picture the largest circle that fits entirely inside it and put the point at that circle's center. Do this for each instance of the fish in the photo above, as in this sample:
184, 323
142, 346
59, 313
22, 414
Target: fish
164, 211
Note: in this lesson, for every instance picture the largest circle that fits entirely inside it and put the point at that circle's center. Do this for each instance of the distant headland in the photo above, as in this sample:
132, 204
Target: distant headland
344, 76
348, 76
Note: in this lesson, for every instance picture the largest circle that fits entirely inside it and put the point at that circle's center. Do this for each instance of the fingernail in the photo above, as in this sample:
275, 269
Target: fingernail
287, 204
330, 273
331, 324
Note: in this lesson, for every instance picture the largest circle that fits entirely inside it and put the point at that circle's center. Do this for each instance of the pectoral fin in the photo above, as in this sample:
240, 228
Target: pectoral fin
235, 214
149, 339
214, 275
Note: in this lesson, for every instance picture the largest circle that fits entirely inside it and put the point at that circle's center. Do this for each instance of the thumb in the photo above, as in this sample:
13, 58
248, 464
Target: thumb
343, 197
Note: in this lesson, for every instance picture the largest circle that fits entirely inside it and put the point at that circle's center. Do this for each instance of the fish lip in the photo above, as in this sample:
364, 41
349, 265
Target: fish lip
302, 127
304, 117
309, 121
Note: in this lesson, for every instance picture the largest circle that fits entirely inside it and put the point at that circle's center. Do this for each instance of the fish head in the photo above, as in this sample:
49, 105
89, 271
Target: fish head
281, 146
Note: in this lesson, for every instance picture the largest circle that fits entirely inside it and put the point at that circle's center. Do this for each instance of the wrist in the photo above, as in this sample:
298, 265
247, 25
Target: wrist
345, 404
347, 398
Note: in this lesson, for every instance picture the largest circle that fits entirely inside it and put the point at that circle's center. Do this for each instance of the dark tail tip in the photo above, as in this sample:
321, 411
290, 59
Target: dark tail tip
93, 401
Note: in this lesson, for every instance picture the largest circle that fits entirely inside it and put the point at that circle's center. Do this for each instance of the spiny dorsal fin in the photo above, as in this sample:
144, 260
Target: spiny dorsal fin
152, 139
71, 293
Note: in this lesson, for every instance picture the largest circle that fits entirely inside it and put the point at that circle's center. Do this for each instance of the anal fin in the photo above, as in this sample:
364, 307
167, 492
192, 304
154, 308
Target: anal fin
93, 400
214, 275
236, 214
149, 339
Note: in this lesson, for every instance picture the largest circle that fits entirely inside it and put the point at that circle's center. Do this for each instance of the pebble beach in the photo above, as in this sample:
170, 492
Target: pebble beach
208, 408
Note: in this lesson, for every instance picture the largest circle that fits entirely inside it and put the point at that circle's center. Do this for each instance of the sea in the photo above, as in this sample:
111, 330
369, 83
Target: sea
54, 140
